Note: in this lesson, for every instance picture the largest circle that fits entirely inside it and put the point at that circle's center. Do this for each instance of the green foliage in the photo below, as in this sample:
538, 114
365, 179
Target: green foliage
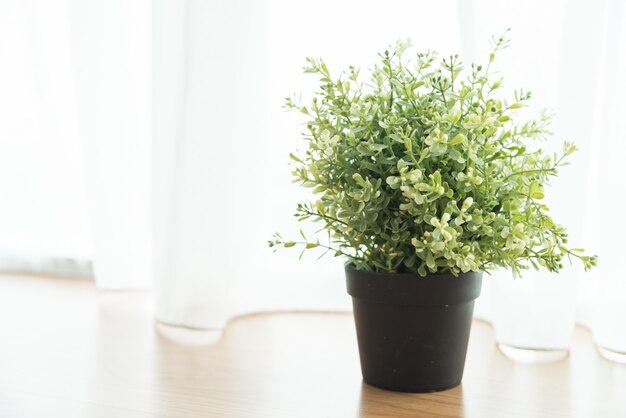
423, 168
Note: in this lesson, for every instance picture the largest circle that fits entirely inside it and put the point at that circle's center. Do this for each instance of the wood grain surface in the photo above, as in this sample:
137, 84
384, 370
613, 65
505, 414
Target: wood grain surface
69, 351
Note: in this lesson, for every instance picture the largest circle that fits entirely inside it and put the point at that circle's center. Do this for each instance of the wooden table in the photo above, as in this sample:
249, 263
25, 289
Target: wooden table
69, 351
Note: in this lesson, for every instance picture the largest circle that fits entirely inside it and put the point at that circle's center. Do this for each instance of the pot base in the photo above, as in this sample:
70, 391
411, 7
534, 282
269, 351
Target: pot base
406, 389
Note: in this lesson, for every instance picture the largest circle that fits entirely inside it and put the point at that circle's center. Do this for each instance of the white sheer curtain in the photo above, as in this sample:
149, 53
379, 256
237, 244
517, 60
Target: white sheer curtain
558, 51
184, 141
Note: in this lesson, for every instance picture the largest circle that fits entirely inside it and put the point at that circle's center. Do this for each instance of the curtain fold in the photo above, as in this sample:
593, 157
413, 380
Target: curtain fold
557, 53
43, 219
111, 54
605, 202
209, 131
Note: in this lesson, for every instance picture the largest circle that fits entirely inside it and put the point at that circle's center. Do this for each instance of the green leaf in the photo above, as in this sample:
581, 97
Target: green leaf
458, 139
456, 156
359, 179
536, 191
319, 205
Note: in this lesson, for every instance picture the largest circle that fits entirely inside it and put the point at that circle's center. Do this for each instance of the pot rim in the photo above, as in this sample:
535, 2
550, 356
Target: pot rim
412, 289
348, 265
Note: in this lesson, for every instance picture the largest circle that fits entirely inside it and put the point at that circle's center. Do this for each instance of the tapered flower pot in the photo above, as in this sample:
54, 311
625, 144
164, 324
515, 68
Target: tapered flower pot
412, 331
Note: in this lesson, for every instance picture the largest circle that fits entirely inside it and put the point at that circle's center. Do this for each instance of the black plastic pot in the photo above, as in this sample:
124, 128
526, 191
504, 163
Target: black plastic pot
412, 331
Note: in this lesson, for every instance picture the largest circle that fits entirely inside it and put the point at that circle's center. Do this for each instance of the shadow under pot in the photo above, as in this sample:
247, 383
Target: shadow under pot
412, 331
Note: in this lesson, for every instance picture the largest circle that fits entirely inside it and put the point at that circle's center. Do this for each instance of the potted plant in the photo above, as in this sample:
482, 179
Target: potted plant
424, 179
